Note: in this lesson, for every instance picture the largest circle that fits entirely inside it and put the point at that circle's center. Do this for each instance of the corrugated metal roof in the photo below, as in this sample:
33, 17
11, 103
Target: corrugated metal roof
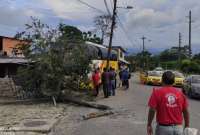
13, 61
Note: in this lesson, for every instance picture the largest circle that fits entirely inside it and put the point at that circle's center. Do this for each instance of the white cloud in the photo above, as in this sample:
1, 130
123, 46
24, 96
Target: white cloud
162, 20
31, 12
159, 20
73, 10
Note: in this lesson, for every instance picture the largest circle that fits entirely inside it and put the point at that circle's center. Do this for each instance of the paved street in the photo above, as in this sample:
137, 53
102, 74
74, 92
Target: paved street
131, 118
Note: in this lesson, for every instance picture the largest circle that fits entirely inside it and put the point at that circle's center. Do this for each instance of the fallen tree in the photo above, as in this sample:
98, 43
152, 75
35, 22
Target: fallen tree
80, 102
97, 114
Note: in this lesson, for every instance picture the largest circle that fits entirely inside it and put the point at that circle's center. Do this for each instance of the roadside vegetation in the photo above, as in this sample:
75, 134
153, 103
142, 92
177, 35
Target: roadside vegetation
168, 59
58, 57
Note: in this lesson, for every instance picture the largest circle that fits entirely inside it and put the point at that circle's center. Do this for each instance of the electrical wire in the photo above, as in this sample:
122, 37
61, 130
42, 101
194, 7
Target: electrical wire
111, 3
124, 30
90, 6
107, 8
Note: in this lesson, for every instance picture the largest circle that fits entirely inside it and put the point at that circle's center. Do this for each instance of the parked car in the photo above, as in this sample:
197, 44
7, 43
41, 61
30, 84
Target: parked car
179, 79
143, 77
154, 78
192, 86
159, 70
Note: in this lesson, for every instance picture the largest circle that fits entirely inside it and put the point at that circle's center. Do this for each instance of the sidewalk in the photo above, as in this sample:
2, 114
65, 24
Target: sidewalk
30, 119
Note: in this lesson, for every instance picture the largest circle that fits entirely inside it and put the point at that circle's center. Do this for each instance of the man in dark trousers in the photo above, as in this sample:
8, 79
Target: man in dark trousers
112, 81
125, 78
105, 79
170, 106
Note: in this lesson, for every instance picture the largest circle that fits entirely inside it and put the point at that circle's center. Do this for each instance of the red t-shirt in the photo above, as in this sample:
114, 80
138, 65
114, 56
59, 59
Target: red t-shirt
169, 104
96, 78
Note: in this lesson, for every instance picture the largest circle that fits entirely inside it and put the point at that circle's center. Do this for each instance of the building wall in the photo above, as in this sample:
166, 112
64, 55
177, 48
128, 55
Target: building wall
9, 44
120, 54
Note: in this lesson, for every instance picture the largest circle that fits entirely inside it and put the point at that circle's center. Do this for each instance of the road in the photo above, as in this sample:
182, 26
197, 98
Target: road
131, 118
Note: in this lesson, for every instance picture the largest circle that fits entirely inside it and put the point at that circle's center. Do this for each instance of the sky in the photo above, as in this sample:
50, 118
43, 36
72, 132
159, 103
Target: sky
160, 21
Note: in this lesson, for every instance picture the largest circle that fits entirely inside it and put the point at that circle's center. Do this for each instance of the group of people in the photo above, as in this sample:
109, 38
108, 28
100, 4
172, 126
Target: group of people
109, 81
169, 104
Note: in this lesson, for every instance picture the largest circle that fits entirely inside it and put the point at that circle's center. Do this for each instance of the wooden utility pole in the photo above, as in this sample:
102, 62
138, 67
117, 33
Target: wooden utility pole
111, 33
143, 46
190, 25
179, 49
143, 50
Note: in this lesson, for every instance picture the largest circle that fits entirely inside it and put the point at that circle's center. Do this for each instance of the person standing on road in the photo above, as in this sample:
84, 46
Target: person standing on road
112, 81
96, 82
120, 78
170, 106
125, 78
105, 79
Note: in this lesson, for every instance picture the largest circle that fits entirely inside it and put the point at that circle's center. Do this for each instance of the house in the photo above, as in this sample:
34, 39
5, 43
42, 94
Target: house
117, 55
101, 50
9, 46
120, 55
10, 56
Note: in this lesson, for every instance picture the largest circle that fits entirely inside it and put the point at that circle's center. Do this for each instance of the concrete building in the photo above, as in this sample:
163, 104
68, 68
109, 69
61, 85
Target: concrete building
9, 47
10, 56
120, 54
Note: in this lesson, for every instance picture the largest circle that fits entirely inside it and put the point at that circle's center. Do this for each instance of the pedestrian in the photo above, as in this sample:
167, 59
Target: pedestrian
105, 79
112, 81
120, 78
125, 78
96, 82
170, 106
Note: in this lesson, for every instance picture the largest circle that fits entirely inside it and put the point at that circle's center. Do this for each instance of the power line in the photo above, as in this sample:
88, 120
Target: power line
122, 26
111, 3
107, 8
90, 6
124, 30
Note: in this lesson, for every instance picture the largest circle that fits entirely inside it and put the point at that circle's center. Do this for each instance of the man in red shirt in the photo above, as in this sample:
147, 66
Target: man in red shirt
170, 106
96, 81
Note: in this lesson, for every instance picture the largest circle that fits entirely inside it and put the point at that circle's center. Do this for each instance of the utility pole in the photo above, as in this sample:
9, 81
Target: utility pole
190, 25
179, 49
111, 33
143, 49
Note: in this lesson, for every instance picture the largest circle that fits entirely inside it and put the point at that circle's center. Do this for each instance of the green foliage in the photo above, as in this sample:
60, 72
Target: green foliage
142, 59
189, 66
196, 57
54, 53
171, 55
167, 55
169, 65
88, 36
168, 59
71, 33
131, 59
